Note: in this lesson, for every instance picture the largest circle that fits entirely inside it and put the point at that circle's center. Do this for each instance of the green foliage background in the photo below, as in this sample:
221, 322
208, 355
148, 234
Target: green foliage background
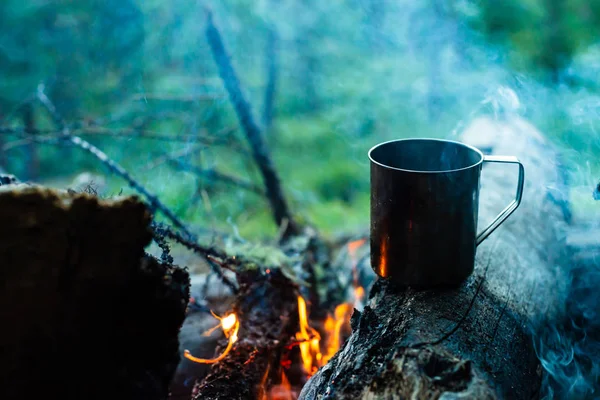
351, 73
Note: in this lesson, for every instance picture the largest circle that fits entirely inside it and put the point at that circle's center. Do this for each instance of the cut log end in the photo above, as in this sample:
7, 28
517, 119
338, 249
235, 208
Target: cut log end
90, 314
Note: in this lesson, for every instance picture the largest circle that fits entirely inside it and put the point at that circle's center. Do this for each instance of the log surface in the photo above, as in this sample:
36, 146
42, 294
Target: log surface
85, 314
471, 341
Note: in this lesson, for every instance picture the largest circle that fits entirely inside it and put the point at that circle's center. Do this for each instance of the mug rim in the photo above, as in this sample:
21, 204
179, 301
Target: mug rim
415, 139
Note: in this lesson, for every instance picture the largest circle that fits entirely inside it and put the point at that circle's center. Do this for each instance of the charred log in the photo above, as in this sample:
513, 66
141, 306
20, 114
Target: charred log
471, 341
272, 282
84, 312
267, 309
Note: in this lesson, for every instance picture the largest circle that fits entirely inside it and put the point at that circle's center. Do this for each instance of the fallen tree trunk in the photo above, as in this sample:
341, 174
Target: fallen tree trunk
472, 341
85, 313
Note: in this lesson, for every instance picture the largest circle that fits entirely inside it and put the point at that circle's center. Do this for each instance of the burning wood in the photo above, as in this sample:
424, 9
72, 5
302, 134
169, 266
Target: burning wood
230, 326
308, 340
273, 360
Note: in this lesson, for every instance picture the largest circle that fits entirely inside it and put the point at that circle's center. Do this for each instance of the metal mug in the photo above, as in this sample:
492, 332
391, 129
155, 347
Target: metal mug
424, 208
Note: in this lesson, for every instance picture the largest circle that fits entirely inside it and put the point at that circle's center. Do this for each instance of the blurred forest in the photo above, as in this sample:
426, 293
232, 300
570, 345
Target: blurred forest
326, 79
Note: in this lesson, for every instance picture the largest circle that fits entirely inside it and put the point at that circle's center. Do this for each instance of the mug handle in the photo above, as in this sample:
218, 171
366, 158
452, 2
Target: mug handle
513, 205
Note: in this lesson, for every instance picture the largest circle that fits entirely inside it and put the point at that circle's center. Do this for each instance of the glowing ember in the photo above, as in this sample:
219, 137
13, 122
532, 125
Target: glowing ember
228, 322
230, 326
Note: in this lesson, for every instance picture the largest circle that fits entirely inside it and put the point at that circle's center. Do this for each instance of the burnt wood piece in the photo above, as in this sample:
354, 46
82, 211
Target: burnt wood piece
85, 314
267, 309
330, 283
471, 341
208, 293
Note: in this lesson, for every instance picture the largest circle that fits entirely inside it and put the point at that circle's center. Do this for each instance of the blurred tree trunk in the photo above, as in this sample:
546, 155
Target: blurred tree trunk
272, 69
307, 65
32, 162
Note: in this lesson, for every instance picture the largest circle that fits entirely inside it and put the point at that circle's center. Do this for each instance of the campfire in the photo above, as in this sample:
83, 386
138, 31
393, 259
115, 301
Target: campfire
314, 343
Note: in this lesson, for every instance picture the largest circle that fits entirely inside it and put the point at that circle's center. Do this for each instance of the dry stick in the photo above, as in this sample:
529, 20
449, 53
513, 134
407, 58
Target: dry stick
208, 253
165, 158
213, 174
155, 203
191, 98
254, 135
128, 133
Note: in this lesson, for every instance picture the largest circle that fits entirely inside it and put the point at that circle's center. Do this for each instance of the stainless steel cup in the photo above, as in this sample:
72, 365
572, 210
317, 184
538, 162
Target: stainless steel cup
424, 207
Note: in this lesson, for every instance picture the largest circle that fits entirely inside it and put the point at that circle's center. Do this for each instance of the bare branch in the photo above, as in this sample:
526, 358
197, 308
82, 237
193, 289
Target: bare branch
165, 158
220, 138
56, 117
254, 135
160, 230
208, 253
190, 98
212, 174
115, 168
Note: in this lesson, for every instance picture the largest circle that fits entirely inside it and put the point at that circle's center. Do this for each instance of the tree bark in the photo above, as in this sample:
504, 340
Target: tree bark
84, 312
471, 341
260, 152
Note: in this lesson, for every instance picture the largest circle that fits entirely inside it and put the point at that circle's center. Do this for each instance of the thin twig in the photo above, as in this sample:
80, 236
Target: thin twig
254, 135
212, 174
160, 230
115, 168
56, 117
208, 253
217, 138
186, 98
165, 158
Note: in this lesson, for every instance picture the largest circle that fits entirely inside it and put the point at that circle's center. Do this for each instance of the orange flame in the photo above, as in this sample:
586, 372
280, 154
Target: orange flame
308, 340
359, 291
283, 391
262, 389
333, 326
230, 326
355, 245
